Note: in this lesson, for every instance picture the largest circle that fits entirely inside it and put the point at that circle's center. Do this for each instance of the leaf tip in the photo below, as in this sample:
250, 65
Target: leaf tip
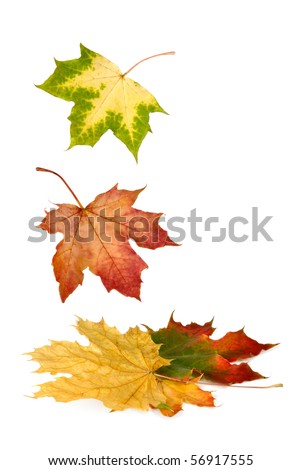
28, 354
82, 47
30, 396
271, 345
135, 154
149, 330
63, 295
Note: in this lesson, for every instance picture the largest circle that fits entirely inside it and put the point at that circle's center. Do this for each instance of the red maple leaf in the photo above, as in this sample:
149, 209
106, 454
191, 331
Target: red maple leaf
97, 237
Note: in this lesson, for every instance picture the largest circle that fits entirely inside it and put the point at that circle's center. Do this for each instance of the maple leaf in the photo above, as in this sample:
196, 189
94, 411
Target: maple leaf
104, 99
177, 393
118, 369
97, 237
190, 347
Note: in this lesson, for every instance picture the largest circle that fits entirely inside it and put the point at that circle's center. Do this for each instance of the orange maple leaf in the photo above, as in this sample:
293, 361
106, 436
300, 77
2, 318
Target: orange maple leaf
97, 237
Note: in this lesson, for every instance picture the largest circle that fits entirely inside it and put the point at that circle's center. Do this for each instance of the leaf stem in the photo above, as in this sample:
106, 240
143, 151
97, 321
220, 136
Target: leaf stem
147, 58
240, 386
72, 192
174, 379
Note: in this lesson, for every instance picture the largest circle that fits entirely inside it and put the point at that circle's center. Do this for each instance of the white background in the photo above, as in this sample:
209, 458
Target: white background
232, 141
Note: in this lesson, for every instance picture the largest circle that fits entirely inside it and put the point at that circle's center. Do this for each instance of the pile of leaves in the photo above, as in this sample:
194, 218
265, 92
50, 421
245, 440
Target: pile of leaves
146, 369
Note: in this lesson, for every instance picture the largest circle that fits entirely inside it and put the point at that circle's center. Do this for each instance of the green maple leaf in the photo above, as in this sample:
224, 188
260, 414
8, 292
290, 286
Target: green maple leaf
193, 352
104, 99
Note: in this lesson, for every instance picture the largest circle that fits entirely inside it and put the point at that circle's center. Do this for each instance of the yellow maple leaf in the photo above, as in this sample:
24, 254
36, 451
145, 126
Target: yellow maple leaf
117, 369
